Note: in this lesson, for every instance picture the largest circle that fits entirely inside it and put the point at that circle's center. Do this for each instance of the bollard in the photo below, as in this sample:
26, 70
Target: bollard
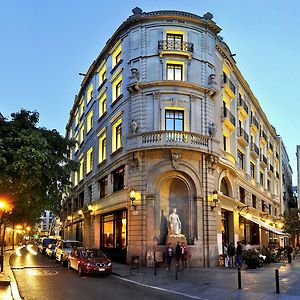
176, 271
277, 280
154, 265
239, 279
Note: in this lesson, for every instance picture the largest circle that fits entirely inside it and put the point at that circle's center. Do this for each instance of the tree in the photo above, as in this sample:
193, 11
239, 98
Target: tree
292, 223
34, 166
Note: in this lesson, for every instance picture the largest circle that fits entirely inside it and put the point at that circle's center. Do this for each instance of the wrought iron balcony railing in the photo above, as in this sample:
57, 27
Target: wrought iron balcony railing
243, 104
254, 122
175, 46
226, 80
242, 133
254, 148
226, 113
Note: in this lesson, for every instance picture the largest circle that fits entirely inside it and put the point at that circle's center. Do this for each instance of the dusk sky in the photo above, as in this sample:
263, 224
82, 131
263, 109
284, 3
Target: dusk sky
45, 44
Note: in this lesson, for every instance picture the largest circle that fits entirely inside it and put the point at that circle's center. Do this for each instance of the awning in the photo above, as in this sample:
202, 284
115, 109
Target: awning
266, 225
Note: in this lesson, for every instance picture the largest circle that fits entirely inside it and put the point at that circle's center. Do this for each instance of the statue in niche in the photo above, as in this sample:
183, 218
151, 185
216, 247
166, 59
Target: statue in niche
134, 126
174, 223
175, 160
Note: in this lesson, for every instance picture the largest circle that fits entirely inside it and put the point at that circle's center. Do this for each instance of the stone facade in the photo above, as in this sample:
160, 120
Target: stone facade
173, 120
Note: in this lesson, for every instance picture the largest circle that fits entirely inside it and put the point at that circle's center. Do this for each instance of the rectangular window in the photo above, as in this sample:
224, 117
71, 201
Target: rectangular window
81, 168
174, 41
117, 135
102, 105
81, 133
253, 201
89, 121
89, 95
240, 159
252, 170
174, 120
268, 184
76, 141
75, 178
81, 105
242, 194
174, 71
117, 88
89, 160
118, 179
224, 143
263, 205
76, 116
102, 148
102, 186
270, 209
261, 178
117, 56
70, 135
102, 75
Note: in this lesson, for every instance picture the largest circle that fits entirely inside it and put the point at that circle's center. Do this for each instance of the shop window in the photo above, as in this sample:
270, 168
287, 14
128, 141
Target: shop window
118, 179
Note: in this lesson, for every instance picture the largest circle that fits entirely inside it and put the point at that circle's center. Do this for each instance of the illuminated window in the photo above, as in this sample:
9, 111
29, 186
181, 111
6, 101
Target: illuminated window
117, 135
81, 105
89, 121
102, 148
102, 75
89, 93
102, 105
174, 71
81, 133
116, 57
70, 133
117, 88
75, 178
89, 160
76, 141
71, 153
174, 120
76, 117
81, 168
174, 41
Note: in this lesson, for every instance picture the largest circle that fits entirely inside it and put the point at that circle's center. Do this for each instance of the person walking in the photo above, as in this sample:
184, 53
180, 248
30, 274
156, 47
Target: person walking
289, 251
184, 255
239, 252
225, 253
231, 254
178, 254
169, 255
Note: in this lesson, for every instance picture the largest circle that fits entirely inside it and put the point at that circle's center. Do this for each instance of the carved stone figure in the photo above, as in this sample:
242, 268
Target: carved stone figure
174, 223
134, 126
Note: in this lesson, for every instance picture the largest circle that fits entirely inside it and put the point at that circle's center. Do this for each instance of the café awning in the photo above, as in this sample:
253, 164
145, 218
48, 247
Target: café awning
266, 225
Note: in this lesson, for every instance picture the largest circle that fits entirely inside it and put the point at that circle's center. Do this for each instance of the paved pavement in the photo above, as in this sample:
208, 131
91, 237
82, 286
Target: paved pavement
197, 283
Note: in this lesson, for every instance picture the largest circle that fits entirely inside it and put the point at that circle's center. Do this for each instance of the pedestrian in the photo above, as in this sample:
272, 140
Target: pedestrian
226, 257
289, 251
231, 254
169, 255
184, 255
178, 254
239, 252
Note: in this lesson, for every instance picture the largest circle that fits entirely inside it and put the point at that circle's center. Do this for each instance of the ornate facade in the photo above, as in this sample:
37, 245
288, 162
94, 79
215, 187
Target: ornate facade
164, 119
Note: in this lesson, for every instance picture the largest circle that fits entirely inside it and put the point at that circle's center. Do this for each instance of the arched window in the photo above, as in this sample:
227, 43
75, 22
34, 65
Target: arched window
224, 187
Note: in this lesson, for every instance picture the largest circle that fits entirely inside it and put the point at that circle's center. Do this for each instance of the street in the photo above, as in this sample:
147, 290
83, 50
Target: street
39, 277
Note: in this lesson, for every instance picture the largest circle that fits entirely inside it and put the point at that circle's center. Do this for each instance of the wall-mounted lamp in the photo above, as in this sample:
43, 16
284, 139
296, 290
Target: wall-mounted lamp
91, 210
132, 198
80, 212
69, 218
214, 201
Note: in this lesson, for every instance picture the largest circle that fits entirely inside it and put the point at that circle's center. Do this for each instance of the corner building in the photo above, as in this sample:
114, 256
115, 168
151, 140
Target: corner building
165, 119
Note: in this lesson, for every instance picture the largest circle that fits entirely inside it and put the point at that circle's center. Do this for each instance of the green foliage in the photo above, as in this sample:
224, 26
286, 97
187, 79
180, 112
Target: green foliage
267, 253
292, 222
251, 258
34, 166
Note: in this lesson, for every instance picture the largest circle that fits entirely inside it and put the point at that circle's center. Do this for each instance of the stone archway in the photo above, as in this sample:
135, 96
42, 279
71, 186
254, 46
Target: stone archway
174, 193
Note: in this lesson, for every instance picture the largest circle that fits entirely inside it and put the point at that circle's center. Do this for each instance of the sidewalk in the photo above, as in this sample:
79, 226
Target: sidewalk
220, 283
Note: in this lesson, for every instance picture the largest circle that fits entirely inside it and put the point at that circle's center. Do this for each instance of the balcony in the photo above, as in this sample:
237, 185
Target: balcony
270, 147
228, 118
243, 106
228, 86
163, 139
263, 160
263, 136
242, 136
176, 47
254, 150
254, 123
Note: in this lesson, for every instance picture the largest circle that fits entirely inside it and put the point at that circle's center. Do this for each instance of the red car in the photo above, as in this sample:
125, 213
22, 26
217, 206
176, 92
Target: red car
89, 261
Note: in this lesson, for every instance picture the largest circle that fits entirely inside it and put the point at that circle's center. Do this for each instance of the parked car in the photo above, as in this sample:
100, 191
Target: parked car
45, 241
63, 249
89, 261
50, 250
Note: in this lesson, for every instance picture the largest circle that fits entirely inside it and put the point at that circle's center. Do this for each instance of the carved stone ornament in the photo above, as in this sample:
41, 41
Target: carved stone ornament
175, 160
156, 95
211, 162
134, 126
